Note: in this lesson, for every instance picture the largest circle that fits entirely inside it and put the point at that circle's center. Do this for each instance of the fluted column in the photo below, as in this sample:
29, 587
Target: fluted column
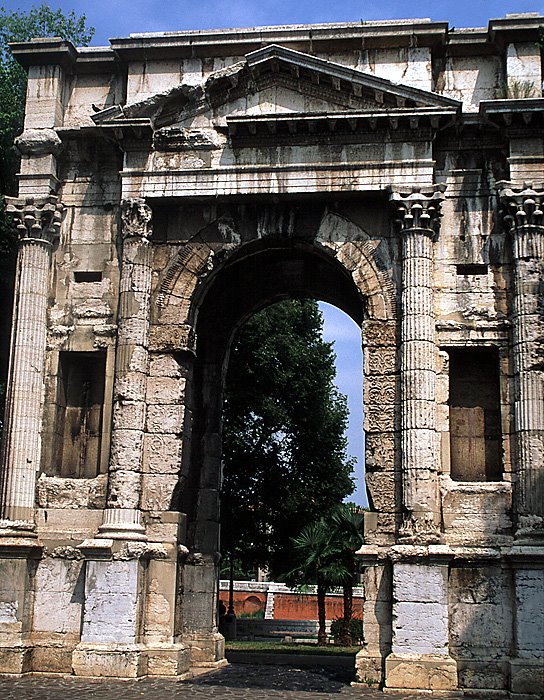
37, 222
522, 212
122, 519
417, 216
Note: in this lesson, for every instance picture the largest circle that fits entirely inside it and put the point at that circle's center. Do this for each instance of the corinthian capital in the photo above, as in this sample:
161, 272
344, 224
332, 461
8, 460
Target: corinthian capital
36, 218
135, 218
418, 210
521, 207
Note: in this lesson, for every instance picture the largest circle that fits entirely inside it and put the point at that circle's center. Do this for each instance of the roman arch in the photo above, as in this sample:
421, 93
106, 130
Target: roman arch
172, 185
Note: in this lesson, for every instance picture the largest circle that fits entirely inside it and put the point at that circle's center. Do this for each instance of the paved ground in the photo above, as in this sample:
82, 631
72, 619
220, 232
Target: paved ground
241, 681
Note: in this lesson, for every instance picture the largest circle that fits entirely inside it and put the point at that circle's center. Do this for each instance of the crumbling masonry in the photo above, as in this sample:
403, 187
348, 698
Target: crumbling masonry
171, 185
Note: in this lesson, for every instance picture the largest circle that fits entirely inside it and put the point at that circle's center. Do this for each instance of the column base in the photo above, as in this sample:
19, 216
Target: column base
122, 524
526, 678
15, 659
20, 529
369, 669
413, 672
207, 650
131, 660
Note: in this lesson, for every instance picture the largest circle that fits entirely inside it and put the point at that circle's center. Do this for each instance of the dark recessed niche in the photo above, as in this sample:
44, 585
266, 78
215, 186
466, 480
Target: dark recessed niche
87, 277
475, 414
472, 269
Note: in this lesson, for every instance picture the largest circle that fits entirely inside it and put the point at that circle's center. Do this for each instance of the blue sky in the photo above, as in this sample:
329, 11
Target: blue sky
341, 329
114, 18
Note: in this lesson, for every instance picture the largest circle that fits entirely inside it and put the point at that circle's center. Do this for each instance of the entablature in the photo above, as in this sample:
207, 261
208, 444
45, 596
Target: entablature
348, 127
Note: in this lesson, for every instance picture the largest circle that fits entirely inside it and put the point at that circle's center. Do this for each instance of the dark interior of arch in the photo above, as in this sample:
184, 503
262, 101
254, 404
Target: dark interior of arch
257, 276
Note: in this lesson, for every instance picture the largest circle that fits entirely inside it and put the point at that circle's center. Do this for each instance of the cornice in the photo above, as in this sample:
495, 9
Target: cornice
348, 127
309, 38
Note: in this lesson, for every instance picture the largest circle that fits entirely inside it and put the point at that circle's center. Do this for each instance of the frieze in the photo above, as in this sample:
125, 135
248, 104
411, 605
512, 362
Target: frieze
177, 138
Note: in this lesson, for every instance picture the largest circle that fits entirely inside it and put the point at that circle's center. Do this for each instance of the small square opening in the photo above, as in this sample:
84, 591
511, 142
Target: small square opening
87, 276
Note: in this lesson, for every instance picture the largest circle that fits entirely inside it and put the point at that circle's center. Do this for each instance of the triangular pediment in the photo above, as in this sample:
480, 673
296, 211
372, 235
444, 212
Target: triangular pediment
285, 81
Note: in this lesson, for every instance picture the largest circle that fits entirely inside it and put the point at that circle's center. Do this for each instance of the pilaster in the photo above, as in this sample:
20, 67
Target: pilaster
524, 218
417, 216
37, 222
123, 584
420, 658
527, 661
122, 519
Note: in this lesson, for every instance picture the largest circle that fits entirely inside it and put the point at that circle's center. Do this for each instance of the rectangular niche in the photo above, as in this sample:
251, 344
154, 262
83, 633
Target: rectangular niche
80, 402
475, 416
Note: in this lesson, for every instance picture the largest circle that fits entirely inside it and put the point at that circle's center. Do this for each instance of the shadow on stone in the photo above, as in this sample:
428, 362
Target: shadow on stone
313, 680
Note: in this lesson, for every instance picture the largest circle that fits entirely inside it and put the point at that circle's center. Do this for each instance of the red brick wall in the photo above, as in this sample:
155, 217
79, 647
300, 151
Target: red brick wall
289, 606
247, 602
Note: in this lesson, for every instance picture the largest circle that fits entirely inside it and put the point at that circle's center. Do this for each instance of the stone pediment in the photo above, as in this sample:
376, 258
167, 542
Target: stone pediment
331, 86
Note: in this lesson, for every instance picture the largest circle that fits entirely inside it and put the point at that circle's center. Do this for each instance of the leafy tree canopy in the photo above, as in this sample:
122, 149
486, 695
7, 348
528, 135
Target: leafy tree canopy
284, 438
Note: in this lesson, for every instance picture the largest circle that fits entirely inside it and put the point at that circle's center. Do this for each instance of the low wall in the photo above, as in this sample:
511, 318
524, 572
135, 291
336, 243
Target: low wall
276, 601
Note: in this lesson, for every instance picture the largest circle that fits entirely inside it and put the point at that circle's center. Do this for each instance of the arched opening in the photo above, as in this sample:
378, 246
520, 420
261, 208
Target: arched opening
257, 275
253, 278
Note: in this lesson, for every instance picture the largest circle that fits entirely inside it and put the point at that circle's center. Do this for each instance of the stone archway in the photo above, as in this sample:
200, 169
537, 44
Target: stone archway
213, 289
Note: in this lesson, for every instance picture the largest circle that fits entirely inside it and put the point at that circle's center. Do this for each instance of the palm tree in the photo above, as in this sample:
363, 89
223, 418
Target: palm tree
317, 557
326, 550
347, 535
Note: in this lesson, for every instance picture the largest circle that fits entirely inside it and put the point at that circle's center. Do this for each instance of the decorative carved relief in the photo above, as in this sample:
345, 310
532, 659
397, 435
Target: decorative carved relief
521, 207
418, 210
35, 218
136, 218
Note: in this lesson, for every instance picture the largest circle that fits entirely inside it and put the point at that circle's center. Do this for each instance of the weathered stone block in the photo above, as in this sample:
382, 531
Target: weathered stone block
167, 418
59, 588
173, 660
108, 660
165, 390
158, 491
162, 454
111, 607
164, 365
420, 672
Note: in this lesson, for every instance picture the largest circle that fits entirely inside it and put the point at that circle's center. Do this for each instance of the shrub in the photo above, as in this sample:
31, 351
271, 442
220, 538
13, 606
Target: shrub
517, 90
338, 626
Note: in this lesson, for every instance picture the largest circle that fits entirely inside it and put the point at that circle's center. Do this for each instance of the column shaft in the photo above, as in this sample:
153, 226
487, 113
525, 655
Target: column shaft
417, 216
22, 447
527, 327
122, 518
523, 215
37, 221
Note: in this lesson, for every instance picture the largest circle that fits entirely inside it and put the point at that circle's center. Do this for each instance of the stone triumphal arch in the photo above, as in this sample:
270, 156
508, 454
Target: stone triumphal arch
170, 186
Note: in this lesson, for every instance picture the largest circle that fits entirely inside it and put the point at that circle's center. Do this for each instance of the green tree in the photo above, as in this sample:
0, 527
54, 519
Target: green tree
325, 551
346, 539
16, 26
317, 564
284, 438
